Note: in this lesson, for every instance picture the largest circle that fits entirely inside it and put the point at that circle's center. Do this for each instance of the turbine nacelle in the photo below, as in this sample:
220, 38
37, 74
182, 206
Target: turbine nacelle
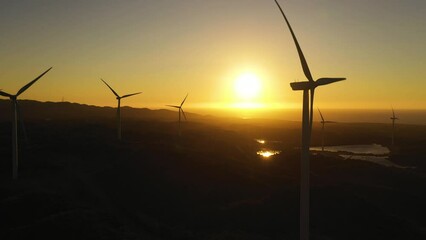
310, 85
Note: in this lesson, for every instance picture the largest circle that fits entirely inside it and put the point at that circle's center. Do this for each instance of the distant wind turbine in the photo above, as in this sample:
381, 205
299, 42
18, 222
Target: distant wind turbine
323, 122
180, 110
393, 118
15, 112
307, 117
118, 108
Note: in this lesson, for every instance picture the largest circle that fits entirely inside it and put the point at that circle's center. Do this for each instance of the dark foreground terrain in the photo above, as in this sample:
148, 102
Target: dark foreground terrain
76, 181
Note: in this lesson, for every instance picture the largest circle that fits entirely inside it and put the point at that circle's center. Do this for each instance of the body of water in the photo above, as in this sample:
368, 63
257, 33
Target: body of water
374, 153
381, 160
373, 149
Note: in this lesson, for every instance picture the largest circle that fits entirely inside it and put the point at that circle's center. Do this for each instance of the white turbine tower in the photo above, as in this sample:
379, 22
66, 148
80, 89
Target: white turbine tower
118, 108
323, 122
393, 118
15, 112
307, 116
180, 110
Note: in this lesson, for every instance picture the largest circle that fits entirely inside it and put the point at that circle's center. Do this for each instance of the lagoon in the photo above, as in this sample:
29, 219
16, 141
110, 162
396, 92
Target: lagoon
374, 153
372, 149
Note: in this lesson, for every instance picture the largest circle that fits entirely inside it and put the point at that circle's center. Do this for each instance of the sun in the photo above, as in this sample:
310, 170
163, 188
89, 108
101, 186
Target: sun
247, 86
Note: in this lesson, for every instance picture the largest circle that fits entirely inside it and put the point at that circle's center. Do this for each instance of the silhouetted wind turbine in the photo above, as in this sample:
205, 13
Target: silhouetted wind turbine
118, 108
180, 110
15, 112
307, 117
323, 122
393, 126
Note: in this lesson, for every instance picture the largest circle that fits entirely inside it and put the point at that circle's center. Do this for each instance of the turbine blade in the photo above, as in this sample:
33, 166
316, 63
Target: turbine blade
184, 100
31, 83
299, 50
111, 88
321, 115
325, 81
183, 113
173, 106
128, 95
5, 94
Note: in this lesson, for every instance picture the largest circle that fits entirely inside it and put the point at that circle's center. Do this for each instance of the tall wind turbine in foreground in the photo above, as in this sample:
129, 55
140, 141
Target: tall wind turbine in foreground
393, 126
118, 108
15, 111
180, 110
323, 122
307, 116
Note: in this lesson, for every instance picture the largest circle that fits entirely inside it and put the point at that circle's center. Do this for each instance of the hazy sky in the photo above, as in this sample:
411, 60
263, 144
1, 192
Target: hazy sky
167, 48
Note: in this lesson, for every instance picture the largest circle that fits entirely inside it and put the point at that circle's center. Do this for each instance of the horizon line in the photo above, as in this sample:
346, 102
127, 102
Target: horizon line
230, 106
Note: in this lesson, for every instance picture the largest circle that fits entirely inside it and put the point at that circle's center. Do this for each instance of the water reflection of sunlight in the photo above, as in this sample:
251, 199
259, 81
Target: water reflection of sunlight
267, 153
261, 141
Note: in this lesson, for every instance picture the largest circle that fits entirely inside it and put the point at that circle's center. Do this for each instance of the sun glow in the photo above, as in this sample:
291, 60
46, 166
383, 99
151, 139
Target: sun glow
247, 86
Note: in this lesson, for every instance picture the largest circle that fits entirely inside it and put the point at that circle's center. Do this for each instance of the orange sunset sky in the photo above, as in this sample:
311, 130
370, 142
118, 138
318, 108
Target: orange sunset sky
224, 53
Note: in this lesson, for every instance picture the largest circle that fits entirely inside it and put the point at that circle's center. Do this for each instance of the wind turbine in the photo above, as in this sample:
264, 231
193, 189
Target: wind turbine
323, 122
15, 112
180, 110
308, 87
118, 108
393, 118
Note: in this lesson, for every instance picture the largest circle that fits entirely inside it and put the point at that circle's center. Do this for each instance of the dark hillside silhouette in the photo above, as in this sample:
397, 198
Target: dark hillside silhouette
67, 111
78, 182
